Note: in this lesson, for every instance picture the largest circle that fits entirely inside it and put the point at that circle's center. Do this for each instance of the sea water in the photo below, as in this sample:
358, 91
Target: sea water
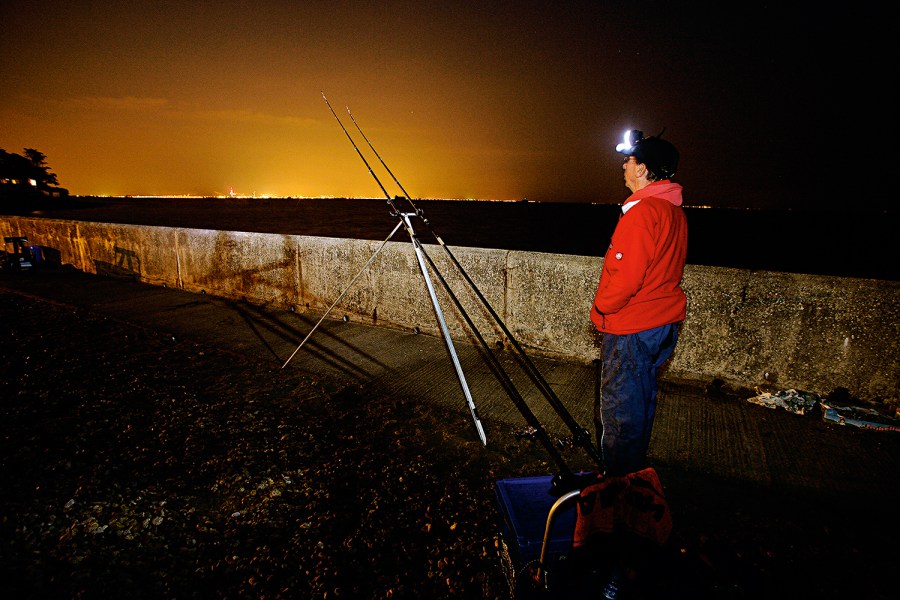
852, 243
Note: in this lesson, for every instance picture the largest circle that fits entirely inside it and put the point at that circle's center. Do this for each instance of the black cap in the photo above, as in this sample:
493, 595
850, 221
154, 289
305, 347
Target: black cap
660, 156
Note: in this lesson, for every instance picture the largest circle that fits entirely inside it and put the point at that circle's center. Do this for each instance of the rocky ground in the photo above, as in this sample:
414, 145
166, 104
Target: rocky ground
135, 465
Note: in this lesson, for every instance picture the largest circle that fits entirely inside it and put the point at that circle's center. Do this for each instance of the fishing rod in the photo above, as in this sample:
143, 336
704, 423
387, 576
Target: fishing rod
384, 164
420, 253
566, 478
581, 437
493, 363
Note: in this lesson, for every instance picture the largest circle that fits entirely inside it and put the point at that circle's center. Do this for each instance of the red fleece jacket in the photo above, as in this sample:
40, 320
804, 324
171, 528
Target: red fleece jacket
640, 284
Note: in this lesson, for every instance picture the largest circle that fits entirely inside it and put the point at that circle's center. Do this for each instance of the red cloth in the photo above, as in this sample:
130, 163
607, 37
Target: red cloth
640, 284
633, 504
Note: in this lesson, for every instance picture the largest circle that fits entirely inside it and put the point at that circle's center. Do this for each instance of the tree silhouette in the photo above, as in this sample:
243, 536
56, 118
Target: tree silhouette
41, 171
26, 174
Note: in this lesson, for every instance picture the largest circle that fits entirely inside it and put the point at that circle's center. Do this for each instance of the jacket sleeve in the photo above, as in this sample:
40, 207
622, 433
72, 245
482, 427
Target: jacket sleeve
626, 261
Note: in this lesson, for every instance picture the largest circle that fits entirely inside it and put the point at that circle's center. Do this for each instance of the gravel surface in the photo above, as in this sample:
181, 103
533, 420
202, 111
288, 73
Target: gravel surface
135, 465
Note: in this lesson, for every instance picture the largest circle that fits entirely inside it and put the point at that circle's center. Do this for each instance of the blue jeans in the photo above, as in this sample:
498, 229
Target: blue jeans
625, 407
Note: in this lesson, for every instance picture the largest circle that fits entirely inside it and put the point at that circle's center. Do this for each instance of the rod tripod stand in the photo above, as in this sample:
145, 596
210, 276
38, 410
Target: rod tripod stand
566, 479
405, 220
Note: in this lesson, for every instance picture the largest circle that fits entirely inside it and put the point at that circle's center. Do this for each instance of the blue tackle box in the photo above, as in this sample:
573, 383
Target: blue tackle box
524, 504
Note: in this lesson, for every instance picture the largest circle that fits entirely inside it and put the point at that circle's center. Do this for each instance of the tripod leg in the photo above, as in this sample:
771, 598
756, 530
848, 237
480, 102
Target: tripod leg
344, 293
446, 333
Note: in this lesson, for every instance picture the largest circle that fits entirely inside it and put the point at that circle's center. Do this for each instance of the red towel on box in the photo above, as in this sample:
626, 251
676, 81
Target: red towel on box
633, 504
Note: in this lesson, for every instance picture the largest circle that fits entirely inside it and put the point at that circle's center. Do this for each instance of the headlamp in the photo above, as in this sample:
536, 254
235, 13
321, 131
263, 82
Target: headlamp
632, 137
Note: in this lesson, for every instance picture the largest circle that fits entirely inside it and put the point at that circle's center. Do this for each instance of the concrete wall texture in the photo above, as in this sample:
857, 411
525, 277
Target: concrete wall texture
808, 332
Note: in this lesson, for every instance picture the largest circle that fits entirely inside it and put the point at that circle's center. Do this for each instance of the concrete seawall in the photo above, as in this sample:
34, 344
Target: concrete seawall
809, 332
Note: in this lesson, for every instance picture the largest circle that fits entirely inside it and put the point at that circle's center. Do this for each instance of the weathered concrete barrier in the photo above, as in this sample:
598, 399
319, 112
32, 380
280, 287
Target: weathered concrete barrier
808, 332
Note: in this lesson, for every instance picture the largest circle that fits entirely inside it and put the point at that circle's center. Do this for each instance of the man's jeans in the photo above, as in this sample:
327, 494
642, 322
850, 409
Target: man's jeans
624, 411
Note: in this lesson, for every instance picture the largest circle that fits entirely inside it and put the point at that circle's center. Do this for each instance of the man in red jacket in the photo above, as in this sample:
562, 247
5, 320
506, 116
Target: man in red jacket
639, 303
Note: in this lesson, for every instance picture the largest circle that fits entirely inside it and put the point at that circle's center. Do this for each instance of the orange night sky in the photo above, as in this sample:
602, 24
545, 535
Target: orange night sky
501, 100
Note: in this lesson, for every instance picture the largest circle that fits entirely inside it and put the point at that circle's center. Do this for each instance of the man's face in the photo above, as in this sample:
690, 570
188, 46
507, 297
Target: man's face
629, 167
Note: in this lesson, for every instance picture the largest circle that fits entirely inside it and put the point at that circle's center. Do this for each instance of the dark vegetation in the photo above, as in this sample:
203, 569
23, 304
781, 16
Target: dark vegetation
27, 176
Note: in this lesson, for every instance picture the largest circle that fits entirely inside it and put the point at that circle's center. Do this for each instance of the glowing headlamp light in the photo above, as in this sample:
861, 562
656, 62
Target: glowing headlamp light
632, 137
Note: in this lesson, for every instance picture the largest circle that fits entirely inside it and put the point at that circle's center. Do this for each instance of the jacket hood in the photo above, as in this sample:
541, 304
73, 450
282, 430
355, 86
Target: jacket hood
664, 189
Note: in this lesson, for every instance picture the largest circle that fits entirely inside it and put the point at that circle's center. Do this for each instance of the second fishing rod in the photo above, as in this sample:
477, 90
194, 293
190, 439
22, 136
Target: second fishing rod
581, 437
566, 479
420, 253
